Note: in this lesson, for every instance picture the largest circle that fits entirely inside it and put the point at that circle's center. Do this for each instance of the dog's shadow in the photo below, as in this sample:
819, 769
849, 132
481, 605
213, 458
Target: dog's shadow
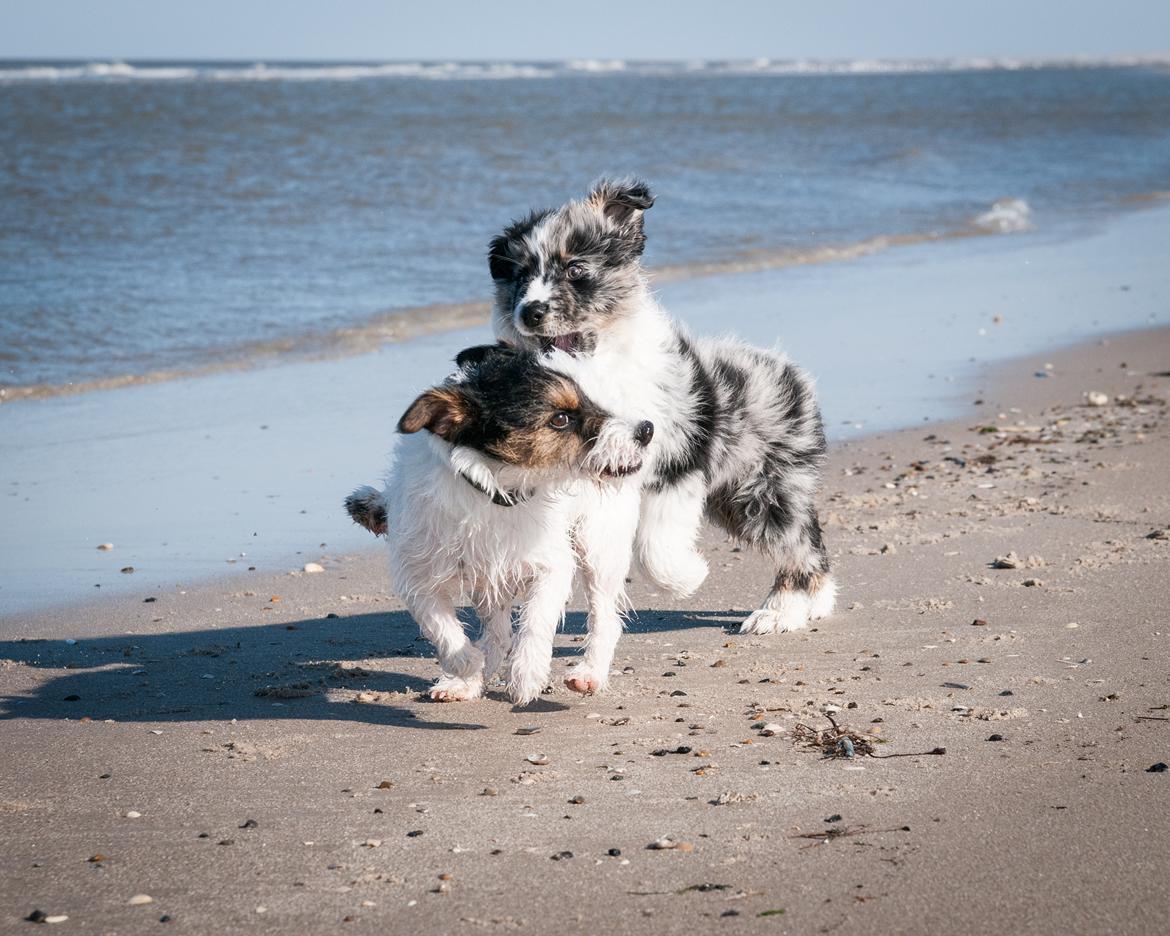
296, 670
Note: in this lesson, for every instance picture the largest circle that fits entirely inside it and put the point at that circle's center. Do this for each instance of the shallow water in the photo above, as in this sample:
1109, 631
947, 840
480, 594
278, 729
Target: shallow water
178, 216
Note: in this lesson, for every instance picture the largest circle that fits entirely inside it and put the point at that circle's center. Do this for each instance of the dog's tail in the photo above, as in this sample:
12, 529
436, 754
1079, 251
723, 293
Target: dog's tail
367, 507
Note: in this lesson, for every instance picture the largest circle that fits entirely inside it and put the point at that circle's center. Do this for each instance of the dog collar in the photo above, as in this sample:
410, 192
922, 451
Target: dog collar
499, 498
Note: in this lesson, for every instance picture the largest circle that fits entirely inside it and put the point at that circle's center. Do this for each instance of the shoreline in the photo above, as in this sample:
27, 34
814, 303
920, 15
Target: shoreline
401, 325
293, 701
396, 326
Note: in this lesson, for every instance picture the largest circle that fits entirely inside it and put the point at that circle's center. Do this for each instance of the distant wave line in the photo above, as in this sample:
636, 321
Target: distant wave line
118, 70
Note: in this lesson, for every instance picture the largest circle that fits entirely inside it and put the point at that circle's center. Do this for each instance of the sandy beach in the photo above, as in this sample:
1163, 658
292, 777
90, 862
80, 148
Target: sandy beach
255, 752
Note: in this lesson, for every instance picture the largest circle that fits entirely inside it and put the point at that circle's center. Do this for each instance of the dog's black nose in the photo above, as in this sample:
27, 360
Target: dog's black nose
533, 313
644, 432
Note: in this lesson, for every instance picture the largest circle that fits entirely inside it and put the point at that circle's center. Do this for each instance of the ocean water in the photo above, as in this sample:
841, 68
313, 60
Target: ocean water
175, 217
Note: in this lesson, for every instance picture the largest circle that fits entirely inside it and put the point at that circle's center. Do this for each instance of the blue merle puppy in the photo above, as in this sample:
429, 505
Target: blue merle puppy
738, 434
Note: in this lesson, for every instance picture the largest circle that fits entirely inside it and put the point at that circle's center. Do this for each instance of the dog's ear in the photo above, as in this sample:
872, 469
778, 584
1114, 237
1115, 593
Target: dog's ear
500, 262
622, 201
470, 357
441, 410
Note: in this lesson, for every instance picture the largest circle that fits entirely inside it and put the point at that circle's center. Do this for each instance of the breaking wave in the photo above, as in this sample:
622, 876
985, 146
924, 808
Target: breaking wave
120, 71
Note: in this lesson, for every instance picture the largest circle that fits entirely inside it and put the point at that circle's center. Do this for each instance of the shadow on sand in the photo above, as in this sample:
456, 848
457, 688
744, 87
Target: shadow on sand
293, 670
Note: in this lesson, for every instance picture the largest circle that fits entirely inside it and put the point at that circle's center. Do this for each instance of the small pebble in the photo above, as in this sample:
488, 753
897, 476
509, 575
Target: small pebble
106, 547
490, 791
1159, 767
250, 824
1097, 398
562, 856
577, 800
614, 853
314, 567
131, 814
995, 737
140, 900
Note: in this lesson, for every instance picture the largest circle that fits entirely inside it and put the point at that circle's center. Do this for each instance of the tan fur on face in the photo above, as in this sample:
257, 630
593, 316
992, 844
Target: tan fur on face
540, 445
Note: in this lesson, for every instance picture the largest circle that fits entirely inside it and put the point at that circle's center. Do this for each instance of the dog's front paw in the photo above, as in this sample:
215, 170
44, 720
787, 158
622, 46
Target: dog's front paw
585, 680
456, 689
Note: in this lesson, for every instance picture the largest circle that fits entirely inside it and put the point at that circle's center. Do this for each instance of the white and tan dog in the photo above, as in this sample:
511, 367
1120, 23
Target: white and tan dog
511, 480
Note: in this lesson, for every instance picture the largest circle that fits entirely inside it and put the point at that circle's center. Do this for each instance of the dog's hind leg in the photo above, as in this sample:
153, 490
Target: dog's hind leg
775, 513
461, 661
803, 588
667, 530
605, 542
543, 609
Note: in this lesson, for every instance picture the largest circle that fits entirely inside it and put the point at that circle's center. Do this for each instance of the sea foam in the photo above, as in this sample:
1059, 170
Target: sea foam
1006, 216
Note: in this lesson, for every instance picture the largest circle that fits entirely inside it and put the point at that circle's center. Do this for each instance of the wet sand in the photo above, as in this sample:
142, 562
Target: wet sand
256, 752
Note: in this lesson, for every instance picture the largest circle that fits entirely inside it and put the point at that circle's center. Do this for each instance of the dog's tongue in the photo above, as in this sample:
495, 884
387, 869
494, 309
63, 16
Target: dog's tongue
569, 342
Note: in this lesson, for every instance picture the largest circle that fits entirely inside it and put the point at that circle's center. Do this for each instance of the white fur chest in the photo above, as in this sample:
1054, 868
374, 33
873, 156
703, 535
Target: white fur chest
447, 534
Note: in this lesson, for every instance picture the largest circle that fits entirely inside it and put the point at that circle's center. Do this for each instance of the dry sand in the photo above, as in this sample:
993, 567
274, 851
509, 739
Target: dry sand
256, 754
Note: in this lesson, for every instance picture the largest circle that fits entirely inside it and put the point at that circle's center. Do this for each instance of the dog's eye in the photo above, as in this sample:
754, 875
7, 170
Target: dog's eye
575, 271
560, 421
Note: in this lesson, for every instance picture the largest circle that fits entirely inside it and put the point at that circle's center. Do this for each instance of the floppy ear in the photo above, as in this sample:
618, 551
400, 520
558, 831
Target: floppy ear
622, 201
441, 410
500, 263
469, 357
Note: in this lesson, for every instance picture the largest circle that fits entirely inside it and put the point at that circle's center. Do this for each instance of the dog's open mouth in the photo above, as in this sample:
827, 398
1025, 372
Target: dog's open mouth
620, 471
572, 342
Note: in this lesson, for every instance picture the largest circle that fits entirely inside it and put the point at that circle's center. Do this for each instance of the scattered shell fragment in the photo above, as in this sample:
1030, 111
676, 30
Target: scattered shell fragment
140, 900
1097, 398
106, 547
538, 759
314, 567
666, 843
